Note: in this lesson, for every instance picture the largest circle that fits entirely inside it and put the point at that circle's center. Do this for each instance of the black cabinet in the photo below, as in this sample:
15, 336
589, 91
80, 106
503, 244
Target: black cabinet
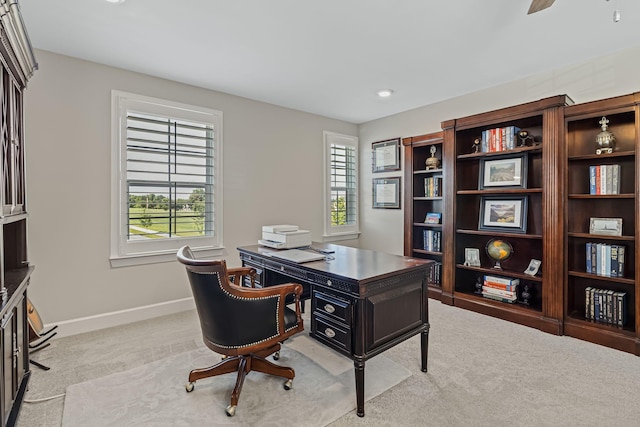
16, 66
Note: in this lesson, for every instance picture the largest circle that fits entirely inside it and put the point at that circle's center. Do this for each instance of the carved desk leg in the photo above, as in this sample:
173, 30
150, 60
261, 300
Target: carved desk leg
359, 371
424, 346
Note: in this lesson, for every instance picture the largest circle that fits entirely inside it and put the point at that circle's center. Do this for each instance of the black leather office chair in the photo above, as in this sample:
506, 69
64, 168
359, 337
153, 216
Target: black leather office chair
244, 324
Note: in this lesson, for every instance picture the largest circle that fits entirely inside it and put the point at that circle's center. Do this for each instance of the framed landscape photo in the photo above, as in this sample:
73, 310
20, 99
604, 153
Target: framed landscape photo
503, 213
386, 193
605, 226
504, 172
386, 155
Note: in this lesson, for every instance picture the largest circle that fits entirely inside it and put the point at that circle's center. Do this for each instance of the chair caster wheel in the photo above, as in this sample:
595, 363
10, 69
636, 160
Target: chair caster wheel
276, 355
288, 385
231, 410
189, 387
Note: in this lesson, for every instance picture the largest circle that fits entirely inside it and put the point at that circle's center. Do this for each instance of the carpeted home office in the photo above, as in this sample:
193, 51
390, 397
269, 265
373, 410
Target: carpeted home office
477, 227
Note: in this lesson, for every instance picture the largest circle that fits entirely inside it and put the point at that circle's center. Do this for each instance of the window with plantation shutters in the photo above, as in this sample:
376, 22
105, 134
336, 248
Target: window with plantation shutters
167, 178
341, 186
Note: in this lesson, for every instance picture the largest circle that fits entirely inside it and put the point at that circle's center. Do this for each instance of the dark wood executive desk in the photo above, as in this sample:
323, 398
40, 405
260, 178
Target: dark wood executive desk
363, 302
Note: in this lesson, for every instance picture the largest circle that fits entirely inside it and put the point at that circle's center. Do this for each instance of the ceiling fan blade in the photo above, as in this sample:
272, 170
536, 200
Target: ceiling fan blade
538, 5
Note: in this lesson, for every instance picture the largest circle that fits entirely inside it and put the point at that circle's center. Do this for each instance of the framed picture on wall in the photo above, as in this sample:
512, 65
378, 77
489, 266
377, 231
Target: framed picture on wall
386, 155
386, 193
503, 213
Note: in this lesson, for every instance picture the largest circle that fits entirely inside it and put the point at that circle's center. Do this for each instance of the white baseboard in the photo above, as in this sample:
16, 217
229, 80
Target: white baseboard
122, 317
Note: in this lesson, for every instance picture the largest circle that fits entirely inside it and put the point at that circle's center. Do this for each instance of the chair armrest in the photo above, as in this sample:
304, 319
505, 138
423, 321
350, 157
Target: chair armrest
235, 275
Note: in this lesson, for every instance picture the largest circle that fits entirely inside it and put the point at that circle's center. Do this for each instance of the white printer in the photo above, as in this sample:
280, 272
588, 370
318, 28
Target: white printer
284, 237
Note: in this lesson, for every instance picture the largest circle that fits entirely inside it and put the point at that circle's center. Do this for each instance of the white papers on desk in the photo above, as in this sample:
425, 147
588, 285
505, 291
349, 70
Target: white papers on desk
297, 255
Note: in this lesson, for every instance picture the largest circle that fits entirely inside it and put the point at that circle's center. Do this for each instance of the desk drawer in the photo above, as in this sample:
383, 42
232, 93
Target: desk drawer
333, 307
334, 333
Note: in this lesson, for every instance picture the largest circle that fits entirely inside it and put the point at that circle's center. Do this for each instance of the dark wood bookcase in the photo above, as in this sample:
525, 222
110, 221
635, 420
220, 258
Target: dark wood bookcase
419, 202
582, 124
541, 238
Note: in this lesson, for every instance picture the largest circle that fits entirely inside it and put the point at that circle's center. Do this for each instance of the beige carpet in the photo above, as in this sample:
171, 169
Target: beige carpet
154, 394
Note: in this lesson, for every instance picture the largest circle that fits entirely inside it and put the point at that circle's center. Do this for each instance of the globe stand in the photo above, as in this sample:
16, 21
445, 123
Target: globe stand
499, 250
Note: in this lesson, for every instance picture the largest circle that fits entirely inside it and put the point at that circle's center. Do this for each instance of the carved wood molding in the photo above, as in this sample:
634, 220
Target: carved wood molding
16, 45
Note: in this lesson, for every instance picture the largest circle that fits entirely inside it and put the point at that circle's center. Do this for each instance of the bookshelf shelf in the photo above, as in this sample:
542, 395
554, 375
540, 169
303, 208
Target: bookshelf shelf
496, 272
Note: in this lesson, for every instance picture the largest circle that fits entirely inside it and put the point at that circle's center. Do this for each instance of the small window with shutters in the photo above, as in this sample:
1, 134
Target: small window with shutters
341, 186
166, 186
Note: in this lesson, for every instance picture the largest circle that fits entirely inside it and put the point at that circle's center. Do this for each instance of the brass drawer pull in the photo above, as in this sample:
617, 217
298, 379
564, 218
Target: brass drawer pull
329, 308
329, 332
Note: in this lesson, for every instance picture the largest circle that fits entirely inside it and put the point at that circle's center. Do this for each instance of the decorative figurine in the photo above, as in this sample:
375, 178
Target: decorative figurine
605, 139
478, 285
524, 137
528, 294
432, 162
476, 145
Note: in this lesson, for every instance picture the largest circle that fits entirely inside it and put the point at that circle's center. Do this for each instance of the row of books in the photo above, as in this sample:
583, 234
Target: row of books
435, 274
606, 306
500, 288
499, 139
605, 260
431, 240
604, 179
433, 186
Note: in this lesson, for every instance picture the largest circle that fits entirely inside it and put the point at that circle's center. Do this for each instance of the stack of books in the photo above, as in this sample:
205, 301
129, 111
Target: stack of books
604, 179
431, 240
605, 260
433, 186
500, 288
606, 306
433, 277
499, 139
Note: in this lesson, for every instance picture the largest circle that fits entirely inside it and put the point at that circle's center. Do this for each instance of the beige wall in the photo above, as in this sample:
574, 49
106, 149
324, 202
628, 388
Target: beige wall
611, 75
272, 174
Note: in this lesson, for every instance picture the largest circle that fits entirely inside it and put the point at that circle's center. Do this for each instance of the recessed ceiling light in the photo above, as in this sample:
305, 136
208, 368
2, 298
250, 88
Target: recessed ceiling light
384, 93
115, 1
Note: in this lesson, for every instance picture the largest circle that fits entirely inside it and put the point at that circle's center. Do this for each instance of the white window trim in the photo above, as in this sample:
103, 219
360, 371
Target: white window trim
342, 232
126, 253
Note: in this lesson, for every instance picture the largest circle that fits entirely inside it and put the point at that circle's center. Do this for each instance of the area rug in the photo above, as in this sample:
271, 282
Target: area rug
154, 394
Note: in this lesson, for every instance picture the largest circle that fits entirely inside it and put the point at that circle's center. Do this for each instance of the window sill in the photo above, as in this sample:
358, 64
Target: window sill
158, 257
352, 235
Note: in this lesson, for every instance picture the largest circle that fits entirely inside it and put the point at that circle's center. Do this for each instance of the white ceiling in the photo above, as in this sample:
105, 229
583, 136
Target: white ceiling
329, 57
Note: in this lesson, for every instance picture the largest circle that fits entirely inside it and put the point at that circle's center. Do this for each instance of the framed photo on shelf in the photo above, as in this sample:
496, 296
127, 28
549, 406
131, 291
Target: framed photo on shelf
503, 172
472, 257
386, 155
605, 226
386, 193
503, 213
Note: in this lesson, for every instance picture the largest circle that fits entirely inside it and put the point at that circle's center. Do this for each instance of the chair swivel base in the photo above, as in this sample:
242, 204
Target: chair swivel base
242, 364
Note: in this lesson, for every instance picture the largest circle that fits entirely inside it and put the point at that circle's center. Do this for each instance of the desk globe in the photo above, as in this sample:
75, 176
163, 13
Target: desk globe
499, 250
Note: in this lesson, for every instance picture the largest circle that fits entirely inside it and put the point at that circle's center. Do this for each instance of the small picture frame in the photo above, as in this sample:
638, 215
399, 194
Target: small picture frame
433, 218
503, 213
386, 193
503, 172
534, 266
472, 257
605, 226
386, 155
